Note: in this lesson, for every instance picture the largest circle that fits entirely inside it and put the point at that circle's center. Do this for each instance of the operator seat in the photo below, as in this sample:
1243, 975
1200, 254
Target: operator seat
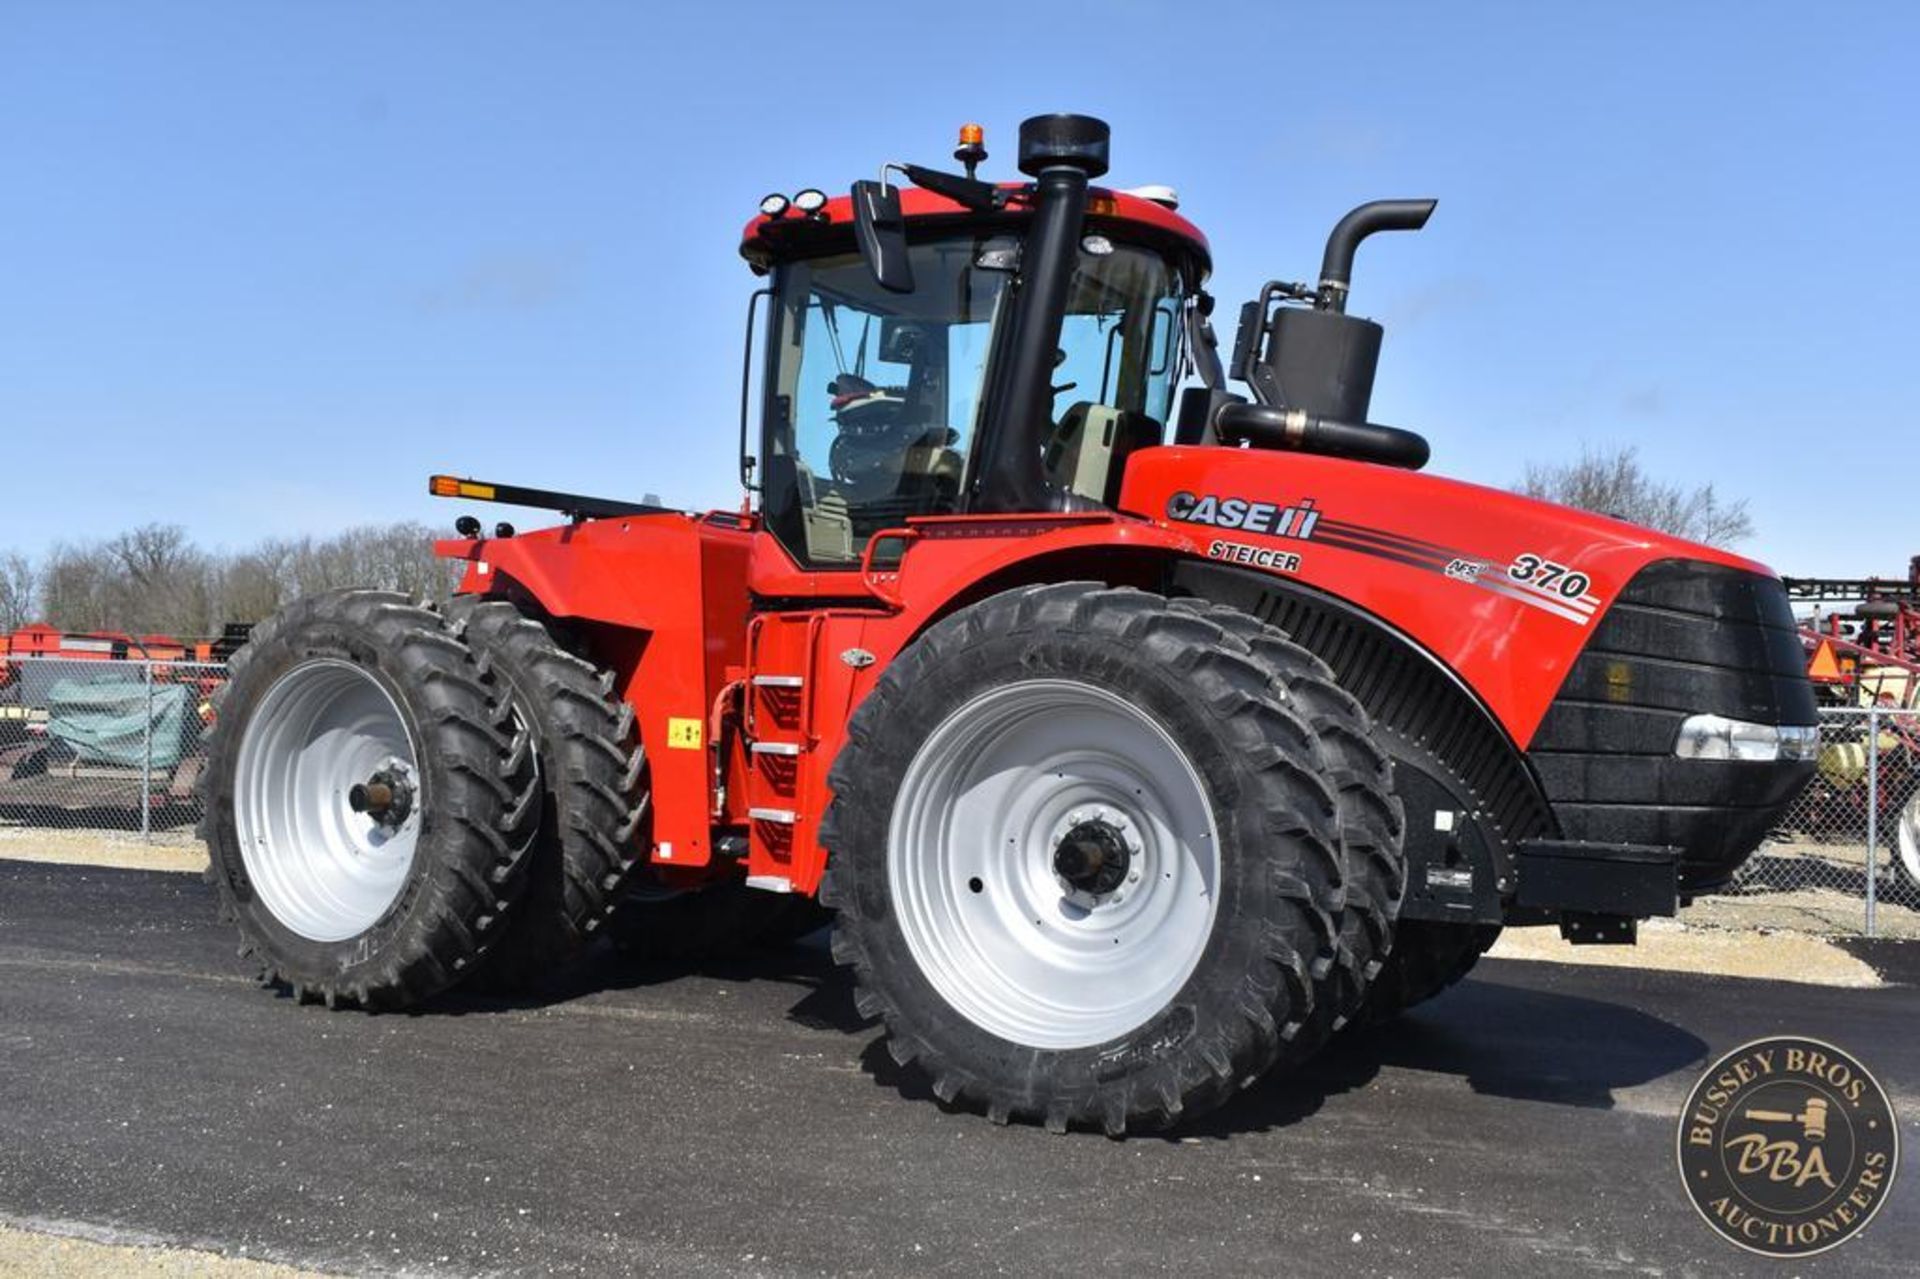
803, 513
1087, 455
933, 466
827, 521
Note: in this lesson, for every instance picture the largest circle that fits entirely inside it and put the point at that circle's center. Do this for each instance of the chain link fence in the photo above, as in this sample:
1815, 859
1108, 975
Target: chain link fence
113, 745
1845, 858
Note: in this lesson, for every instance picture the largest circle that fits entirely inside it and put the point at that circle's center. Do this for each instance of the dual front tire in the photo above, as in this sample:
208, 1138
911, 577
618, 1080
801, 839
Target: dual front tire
1090, 857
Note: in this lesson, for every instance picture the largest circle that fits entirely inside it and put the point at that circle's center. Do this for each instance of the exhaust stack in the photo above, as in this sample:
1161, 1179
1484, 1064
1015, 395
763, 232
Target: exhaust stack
1336, 265
1305, 359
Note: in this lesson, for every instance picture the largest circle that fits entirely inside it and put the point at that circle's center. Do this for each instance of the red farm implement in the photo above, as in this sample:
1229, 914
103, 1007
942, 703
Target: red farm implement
1862, 640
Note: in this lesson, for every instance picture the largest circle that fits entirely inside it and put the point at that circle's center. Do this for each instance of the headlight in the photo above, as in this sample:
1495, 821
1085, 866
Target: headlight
1717, 737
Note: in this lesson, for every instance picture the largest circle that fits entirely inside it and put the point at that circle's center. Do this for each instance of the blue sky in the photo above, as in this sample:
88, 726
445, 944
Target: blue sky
265, 266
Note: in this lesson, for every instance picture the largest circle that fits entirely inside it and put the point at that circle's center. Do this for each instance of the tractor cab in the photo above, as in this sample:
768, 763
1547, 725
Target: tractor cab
950, 346
893, 393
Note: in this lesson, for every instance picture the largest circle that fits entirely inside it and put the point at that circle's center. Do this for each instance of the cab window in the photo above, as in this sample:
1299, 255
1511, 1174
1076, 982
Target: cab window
874, 396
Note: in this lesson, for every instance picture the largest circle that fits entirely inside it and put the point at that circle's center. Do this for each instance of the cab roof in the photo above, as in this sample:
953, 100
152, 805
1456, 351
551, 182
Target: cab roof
766, 240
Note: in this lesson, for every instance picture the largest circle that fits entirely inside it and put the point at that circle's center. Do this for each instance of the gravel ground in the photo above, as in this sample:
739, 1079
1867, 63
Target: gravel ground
743, 1118
1811, 888
50, 1253
1671, 946
162, 850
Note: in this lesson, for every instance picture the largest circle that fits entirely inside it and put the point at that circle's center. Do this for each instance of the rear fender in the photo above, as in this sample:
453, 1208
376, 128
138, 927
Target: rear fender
660, 602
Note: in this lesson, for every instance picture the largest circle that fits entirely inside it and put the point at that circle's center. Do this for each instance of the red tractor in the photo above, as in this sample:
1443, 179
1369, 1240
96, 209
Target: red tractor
1136, 741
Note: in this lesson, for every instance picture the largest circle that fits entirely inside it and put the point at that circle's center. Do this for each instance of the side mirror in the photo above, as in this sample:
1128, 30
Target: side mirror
880, 229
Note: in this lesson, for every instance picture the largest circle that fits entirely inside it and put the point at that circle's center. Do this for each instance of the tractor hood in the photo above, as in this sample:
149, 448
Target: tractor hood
1516, 576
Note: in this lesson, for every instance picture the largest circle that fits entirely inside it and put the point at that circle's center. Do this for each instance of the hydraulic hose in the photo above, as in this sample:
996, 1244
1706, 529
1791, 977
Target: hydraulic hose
1264, 426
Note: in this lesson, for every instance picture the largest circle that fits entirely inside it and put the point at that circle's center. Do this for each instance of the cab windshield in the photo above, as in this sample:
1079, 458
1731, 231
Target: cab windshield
873, 398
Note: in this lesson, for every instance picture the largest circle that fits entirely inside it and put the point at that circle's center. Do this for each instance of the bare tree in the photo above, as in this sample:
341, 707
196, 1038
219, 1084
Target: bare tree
1614, 483
75, 589
154, 580
390, 557
19, 591
252, 585
161, 583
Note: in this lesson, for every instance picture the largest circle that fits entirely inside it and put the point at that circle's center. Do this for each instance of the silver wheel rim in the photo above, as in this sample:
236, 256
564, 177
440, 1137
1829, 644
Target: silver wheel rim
1909, 839
973, 862
325, 871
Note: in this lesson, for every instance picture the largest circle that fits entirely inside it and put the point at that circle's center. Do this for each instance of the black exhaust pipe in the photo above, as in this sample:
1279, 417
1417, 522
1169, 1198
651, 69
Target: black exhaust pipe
1063, 154
1265, 427
1336, 266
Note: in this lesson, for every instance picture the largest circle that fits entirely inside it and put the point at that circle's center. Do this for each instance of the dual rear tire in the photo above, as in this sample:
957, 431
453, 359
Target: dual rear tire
365, 810
596, 802
398, 800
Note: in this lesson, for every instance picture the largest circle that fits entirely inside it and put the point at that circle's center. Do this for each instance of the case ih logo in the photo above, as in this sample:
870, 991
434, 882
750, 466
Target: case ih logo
1269, 518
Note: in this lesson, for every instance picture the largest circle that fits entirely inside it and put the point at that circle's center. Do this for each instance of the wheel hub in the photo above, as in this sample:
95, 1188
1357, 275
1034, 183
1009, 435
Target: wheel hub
386, 796
1093, 857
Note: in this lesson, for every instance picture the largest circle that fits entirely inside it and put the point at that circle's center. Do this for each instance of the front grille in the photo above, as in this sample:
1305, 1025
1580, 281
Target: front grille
1685, 637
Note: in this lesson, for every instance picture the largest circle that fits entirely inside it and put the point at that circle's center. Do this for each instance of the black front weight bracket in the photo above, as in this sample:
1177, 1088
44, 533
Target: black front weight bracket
1598, 891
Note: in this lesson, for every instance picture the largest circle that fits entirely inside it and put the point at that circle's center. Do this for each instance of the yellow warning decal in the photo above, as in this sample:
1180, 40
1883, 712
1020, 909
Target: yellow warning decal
685, 734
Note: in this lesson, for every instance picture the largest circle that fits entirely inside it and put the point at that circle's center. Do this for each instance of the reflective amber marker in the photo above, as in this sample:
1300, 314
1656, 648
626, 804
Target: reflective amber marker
449, 486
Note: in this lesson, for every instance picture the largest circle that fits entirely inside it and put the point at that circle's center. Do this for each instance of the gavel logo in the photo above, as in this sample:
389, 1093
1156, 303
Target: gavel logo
1785, 1160
1812, 1120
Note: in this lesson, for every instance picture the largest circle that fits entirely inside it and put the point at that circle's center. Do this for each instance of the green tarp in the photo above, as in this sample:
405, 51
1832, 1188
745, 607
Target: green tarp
107, 722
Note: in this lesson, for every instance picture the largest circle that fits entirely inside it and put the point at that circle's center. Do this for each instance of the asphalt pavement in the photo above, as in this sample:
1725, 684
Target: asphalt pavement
743, 1118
